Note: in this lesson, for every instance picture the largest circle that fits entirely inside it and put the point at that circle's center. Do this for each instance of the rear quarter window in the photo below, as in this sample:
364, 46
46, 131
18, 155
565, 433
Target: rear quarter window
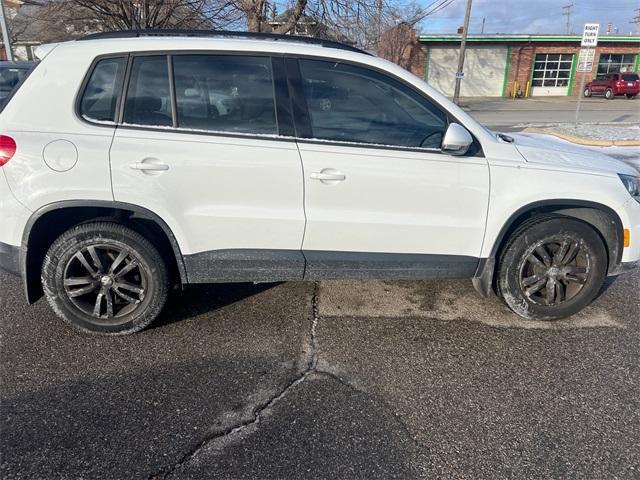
100, 97
10, 80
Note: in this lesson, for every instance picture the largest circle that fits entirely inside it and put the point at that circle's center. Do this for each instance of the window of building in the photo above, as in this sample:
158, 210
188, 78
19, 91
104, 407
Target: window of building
100, 96
615, 62
148, 98
552, 70
225, 93
354, 104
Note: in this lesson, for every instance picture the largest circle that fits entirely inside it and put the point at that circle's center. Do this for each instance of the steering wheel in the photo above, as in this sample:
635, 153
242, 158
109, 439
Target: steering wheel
433, 140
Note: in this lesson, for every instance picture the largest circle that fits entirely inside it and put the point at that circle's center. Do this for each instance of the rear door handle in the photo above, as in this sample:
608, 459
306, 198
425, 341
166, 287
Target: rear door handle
328, 175
150, 167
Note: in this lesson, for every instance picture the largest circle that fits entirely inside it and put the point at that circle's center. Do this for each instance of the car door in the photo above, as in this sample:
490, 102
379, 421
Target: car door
199, 145
599, 83
381, 199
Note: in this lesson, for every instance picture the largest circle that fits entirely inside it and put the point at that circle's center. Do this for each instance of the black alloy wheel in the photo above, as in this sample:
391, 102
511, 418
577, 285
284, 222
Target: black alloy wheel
555, 271
105, 278
105, 281
551, 267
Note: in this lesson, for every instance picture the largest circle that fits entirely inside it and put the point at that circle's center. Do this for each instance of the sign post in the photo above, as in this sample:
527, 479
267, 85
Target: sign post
586, 58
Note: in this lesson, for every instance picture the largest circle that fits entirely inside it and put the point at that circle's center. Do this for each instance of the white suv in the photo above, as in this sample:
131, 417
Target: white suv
136, 160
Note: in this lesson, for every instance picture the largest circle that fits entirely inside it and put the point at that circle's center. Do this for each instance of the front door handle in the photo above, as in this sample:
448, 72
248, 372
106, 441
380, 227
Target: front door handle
328, 175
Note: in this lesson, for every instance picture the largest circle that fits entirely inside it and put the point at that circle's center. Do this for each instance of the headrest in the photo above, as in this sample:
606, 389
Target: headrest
148, 104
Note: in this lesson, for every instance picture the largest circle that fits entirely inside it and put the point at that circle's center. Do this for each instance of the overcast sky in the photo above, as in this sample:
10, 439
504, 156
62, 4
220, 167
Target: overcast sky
532, 16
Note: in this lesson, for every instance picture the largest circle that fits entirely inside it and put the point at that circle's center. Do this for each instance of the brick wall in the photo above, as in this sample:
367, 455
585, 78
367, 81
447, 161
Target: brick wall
400, 45
522, 58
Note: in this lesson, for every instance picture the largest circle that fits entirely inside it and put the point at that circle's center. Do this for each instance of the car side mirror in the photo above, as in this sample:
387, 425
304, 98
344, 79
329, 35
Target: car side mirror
457, 140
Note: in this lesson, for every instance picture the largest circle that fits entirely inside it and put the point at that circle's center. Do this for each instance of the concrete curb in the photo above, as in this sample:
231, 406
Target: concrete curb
583, 140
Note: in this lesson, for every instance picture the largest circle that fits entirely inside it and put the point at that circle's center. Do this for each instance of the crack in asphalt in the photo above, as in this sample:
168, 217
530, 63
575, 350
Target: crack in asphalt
311, 351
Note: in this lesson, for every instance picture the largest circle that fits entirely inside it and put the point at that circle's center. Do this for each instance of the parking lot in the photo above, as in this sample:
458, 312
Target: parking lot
336, 379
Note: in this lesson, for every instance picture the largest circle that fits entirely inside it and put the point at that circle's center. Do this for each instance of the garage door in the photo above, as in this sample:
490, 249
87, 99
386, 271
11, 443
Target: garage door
484, 70
551, 74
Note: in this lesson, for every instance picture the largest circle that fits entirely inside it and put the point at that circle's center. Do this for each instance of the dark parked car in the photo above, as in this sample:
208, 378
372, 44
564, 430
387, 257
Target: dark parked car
11, 74
612, 84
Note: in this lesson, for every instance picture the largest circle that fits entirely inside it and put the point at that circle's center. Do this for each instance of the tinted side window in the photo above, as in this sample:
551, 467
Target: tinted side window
225, 93
355, 104
148, 98
101, 94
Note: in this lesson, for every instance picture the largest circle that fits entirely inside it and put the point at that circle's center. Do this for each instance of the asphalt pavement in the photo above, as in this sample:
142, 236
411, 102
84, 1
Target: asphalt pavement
516, 114
331, 380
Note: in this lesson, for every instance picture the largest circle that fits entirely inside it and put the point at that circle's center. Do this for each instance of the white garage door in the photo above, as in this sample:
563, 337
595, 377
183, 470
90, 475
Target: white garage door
484, 69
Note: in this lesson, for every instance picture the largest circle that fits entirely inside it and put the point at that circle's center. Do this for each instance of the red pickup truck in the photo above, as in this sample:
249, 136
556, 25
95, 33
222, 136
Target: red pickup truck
612, 84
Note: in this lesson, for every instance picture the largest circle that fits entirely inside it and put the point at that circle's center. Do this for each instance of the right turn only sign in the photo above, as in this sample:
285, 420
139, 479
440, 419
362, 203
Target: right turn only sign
590, 35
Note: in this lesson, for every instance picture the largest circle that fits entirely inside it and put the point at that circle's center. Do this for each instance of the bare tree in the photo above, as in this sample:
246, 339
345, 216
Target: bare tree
360, 22
50, 20
142, 14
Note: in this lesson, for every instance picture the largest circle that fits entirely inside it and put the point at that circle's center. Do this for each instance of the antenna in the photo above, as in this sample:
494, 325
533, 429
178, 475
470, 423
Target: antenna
567, 13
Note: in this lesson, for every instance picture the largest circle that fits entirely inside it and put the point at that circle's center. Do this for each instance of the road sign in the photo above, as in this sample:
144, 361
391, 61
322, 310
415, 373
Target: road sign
590, 35
459, 74
585, 60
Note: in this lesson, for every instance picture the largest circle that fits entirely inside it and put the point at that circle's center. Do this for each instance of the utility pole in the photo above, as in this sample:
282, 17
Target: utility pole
143, 14
636, 19
5, 33
482, 31
463, 46
379, 7
567, 13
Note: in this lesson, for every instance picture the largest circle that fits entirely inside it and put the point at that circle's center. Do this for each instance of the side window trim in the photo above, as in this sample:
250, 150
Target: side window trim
301, 118
172, 92
123, 92
284, 108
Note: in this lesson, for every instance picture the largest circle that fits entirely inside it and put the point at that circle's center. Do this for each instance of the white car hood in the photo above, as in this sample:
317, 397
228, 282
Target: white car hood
557, 153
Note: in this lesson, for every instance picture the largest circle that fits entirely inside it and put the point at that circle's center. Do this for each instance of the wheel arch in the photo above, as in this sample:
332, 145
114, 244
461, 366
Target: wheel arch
601, 217
50, 221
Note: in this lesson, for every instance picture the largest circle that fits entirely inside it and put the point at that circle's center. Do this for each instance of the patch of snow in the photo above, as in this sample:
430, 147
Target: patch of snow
630, 155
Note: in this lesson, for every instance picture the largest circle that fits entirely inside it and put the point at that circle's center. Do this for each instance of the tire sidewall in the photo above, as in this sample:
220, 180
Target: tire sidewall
83, 236
609, 94
513, 259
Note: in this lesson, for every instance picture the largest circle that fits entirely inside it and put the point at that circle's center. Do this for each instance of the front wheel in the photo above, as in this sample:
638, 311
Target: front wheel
609, 94
587, 92
552, 268
105, 278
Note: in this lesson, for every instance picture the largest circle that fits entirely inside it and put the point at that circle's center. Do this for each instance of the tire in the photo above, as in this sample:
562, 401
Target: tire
631, 96
576, 262
587, 92
105, 278
609, 94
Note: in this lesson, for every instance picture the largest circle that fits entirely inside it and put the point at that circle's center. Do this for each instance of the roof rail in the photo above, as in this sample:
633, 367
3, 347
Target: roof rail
221, 33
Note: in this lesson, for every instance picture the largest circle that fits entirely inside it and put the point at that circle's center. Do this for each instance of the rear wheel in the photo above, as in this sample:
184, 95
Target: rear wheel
631, 96
552, 268
609, 94
105, 278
